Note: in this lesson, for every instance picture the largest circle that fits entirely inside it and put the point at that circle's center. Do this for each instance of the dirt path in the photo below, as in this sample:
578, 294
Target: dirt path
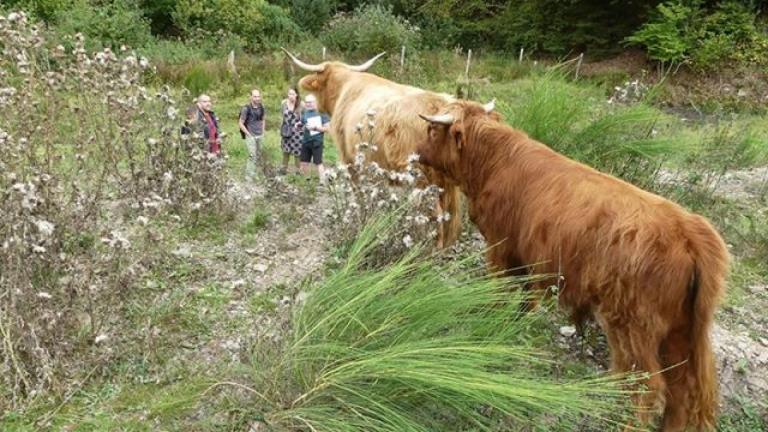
268, 266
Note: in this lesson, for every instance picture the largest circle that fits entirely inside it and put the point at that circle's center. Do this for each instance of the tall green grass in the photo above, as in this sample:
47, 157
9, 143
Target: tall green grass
420, 346
575, 120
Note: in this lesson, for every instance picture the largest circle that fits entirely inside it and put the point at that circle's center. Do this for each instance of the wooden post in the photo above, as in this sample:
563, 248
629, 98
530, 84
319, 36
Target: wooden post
520, 60
323, 53
469, 60
231, 63
578, 64
402, 58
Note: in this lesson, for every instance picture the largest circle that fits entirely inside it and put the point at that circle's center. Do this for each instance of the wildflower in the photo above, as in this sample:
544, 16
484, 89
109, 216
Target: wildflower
44, 227
38, 249
413, 157
408, 241
407, 178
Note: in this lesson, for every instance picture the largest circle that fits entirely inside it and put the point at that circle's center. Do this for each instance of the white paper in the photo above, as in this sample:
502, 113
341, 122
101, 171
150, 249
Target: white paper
314, 122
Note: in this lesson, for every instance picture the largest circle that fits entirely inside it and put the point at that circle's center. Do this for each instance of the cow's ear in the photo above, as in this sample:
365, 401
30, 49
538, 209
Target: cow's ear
313, 83
457, 132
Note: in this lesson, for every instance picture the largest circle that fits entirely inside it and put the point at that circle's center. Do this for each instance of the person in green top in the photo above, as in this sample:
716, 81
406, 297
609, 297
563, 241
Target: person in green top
315, 125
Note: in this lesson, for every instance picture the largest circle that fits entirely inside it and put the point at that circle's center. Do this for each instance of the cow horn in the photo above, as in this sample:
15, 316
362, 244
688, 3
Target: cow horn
305, 66
445, 119
367, 65
490, 105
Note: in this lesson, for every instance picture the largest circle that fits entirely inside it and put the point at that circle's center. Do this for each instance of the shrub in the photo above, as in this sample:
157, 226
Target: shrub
90, 156
708, 38
667, 36
46, 10
312, 15
363, 191
110, 24
258, 22
370, 29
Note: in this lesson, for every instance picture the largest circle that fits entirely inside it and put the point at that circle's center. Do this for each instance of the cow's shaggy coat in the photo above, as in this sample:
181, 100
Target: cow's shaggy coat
649, 271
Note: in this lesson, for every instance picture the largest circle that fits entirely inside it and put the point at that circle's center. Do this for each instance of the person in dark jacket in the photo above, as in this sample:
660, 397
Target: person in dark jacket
207, 118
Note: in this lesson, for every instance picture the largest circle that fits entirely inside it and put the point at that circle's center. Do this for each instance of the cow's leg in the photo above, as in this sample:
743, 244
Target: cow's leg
676, 349
634, 345
450, 202
441, 240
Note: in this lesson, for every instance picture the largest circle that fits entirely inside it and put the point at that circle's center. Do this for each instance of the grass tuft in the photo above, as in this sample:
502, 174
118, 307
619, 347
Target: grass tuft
417, 346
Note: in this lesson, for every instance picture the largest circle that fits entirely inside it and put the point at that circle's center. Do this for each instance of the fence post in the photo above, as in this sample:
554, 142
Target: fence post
469, 60
402, 58
520, 60
578, 64
323, 53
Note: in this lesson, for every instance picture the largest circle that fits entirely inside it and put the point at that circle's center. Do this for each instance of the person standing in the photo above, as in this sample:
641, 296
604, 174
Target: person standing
252, 128
291, 136
207, 118
315, 125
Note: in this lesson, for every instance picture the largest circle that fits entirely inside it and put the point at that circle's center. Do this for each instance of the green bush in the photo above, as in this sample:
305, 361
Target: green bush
667, 36
262, 24
370, 29
110, 24
729, 33
312, 15
42, 9
708, 38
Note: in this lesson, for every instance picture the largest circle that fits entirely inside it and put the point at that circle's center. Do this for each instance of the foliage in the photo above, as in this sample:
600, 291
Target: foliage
312, 15
550, 26
198, 80
363, 191
43, 9
262, 24
708, 38
90, 156
576, 121
111, 24
667, 36
370, 29
416, 346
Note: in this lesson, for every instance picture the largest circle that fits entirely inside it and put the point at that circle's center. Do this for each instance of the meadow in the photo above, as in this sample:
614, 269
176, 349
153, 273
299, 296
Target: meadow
147, 286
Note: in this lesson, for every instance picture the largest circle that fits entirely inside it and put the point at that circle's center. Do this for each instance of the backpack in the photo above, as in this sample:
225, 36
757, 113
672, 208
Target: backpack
259, 116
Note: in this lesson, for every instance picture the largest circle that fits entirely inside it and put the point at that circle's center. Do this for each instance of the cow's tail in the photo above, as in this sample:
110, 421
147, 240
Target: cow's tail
450, 201
707, 289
